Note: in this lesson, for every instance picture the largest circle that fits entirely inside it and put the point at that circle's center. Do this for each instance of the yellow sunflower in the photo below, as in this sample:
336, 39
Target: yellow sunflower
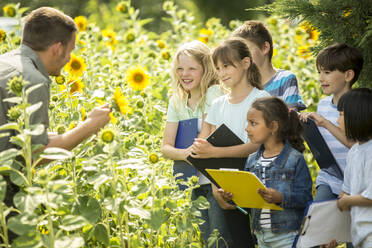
137, 78
203, 39
81, 22
161, 44
75, 86
121, 101
83, 113
9, 10
206, 32
76, 66
111, 37
2, 35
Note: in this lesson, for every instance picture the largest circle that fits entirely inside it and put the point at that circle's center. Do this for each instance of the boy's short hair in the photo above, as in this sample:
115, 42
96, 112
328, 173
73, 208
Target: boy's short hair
341, 57
46, 26
357, 107
256, 32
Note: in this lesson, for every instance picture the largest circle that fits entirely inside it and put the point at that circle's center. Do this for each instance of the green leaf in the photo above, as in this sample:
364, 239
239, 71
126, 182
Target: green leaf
72, 222
16, 100
69, 241
33, 108
55, 153
35, 130
4, 135
8, 126
9, 154
2, 188
90, 209
22, 223
158, 217
201, 203
32, 88
101, 234
31, 240
142, 213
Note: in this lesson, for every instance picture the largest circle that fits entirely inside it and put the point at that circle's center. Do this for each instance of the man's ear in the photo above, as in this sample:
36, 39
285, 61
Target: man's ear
246, 61
266, 48
349, 75
56, 49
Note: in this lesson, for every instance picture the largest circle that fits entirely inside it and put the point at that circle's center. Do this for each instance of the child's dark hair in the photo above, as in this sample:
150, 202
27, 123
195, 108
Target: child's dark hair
233, 50
341, 57
289, 125
256, 32
357, 107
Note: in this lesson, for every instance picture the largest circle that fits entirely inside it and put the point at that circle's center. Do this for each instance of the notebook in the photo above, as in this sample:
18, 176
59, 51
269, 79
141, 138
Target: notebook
243, 185
186, 133
221, 137
322, 223
320, 149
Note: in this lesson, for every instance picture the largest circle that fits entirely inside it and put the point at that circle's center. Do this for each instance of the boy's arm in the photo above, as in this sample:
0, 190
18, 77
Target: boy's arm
323, 122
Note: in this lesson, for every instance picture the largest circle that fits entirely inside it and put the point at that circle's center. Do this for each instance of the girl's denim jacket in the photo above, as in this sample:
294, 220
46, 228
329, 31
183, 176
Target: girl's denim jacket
289, 174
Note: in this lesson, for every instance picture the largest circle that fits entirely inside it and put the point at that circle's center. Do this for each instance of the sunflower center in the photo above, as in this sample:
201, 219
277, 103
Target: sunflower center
74, 87
75, 65
138, 78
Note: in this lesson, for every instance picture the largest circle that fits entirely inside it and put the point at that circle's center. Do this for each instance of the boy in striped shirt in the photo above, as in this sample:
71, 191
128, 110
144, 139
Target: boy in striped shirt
278, 82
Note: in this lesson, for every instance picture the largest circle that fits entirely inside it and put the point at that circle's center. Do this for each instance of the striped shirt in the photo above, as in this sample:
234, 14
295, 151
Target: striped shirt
265, 217
284, 85
329, 111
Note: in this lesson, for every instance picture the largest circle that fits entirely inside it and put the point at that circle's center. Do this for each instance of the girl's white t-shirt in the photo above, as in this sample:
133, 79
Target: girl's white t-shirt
234, 116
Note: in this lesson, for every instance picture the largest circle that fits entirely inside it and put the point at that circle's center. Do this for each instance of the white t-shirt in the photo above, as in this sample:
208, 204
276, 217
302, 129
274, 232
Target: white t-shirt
234, 116
357, 181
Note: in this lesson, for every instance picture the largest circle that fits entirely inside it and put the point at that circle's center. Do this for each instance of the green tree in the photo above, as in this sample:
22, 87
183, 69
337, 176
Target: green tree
339, 21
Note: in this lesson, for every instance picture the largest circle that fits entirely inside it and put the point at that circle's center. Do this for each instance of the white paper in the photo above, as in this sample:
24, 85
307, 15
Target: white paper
324, 222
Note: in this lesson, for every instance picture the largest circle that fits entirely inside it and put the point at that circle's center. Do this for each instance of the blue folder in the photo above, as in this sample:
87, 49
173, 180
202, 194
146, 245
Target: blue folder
186, 133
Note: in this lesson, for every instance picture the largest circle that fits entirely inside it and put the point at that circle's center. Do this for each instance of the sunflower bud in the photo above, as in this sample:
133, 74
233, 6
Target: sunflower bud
16, 85
153, 158
60, 129
14, 113
107, 135
122, 7
2, 35
9, 10
60, 79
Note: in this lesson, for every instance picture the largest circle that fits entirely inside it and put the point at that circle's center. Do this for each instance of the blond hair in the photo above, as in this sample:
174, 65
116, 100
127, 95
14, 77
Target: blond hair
202, 54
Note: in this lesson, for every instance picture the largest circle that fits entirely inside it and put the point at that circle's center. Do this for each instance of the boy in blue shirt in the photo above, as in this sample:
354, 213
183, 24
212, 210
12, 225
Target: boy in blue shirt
339, 67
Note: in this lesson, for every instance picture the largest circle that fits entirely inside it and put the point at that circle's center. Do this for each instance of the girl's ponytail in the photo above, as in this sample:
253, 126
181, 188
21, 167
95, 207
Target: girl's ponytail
289, 125
254, 76
294, 131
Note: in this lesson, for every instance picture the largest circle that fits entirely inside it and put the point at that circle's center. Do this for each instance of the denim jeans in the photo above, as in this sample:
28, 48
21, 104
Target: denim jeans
267, 239
213, 217
324, 193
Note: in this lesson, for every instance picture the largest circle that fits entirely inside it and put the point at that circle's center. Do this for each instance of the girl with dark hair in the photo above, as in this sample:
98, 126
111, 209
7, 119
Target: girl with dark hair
280, 165
355, 120
239, 73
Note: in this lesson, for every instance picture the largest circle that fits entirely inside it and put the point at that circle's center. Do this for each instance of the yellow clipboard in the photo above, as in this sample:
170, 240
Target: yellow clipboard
243, 185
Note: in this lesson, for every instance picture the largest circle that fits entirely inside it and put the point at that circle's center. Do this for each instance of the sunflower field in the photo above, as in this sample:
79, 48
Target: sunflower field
115, 189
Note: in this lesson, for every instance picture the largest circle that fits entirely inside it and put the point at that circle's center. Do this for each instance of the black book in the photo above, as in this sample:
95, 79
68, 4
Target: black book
221, 137
319, 148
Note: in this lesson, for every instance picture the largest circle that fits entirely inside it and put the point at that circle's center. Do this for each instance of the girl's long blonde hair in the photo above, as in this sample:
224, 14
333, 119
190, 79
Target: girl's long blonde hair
202, 54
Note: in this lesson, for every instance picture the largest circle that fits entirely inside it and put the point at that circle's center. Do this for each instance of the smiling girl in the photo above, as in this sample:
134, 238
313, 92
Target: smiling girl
195, 86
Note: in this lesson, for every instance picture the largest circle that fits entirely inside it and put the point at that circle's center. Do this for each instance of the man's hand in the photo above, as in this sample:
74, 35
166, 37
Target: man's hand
271, 195
99, 117
201, 148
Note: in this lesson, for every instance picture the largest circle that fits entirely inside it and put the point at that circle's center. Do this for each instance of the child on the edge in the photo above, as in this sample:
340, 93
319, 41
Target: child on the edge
355, 120
280, 165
